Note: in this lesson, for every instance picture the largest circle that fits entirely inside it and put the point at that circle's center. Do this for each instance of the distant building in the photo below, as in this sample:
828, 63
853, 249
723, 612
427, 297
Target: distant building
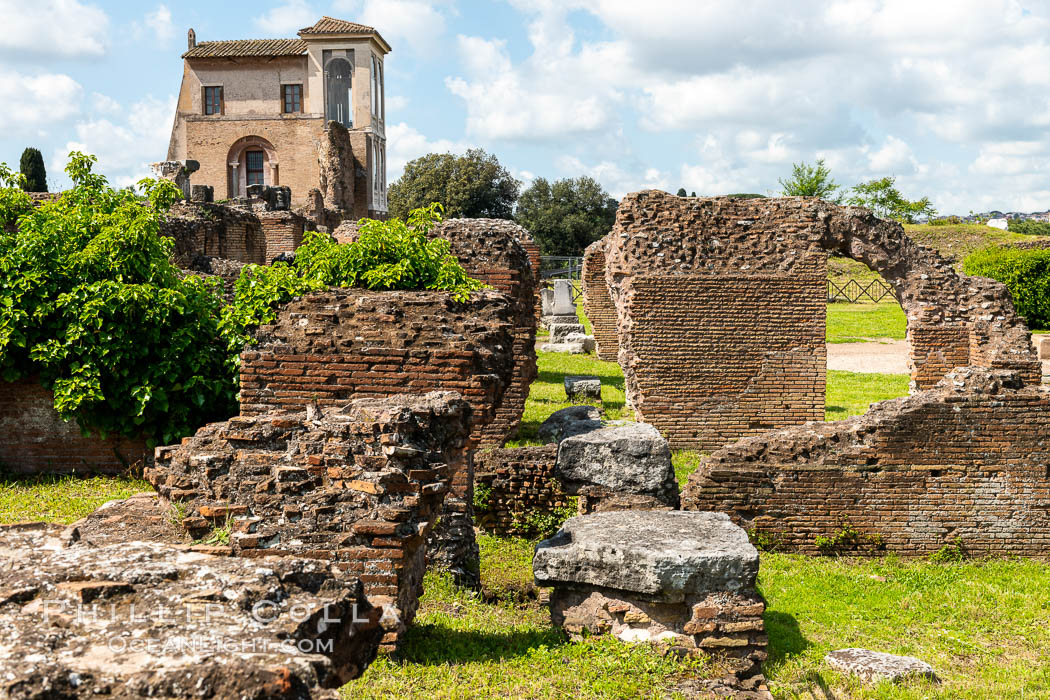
256, 111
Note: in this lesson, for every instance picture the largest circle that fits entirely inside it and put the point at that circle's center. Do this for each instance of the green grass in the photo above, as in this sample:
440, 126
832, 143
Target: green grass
851, 393
956, 242
61, 499
857, 323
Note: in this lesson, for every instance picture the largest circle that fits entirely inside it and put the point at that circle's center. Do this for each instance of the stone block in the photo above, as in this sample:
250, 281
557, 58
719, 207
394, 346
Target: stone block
568, 348
583, 388
586, 341
875, 666
559, 331
563, 304
567, 422
632, 458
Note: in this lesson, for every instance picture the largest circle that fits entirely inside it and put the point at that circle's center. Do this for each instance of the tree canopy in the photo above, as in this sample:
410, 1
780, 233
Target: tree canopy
567, 215
32, 168
810, 181
881, 196
473, 185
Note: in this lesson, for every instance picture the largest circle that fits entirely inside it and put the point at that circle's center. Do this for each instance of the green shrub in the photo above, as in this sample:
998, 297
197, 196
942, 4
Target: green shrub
946, 221
1029, 228
1026, 273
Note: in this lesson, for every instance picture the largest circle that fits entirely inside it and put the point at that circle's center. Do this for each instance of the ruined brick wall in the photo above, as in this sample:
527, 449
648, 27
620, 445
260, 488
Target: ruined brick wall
37, 441
282, 231
360, 486
964, 462
335, 346
720, 316
717, 286
521, 483
490, 251
597, 303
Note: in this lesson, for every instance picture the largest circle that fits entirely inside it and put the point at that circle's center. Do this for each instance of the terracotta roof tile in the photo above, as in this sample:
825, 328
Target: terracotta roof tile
330, 25
247, 47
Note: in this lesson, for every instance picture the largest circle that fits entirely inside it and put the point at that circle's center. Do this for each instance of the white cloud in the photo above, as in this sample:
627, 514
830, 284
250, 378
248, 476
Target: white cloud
125, 147
160, 22
32, 100
616, 179
286, 19
53, 29
894, 157
395, 103
415, 25
404, 143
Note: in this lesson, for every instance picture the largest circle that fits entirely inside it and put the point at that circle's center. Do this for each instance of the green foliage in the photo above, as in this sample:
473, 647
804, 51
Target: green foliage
949, 553
388, 254
60, 499
1029, 228
566, 216
764, 540
946, 221
91, 305
482, 498
31, 165
681, 192
543, 524
473, 185
1026, 273
886, 202
847, 537
810, 181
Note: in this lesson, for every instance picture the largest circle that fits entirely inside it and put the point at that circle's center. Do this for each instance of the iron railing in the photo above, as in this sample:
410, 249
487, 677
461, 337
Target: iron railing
854, 291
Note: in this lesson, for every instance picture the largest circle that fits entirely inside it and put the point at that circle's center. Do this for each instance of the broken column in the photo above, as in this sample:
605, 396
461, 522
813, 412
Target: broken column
686, 580
178, 172
145, 619
359, 486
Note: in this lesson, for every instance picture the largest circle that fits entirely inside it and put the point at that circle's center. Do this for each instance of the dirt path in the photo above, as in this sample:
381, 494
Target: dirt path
882, 357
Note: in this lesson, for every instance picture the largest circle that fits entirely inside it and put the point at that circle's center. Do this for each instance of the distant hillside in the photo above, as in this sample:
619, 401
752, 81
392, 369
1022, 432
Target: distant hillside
953, 242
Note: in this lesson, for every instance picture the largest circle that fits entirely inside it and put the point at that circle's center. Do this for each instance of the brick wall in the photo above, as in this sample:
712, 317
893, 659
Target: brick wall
360, 485
777, 247
963, 462
282, 231
232, 233
490, 251
37, 441
521, 482
597, 303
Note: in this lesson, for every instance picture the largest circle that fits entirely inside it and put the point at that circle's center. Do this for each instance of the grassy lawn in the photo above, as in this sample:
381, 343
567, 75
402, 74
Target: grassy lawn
61, 499
857, 323
851, 393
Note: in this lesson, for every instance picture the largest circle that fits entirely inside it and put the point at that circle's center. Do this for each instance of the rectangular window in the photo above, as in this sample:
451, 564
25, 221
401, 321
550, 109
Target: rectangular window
293, 98
254, 167
213, 100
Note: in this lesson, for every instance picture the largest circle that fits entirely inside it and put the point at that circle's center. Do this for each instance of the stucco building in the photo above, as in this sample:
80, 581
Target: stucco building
260, 111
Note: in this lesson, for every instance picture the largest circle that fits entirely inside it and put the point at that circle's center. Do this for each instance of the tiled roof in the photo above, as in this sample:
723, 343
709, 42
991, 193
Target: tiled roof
247, 47
330, 25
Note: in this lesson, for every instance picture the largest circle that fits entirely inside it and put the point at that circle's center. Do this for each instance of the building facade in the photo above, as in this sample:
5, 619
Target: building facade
259, 112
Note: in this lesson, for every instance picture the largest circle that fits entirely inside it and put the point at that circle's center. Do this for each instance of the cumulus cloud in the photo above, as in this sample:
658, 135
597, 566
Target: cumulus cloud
287, 18
416, 25
159, 21
53, 29
615, 178
124, 147
405, 143
33, 100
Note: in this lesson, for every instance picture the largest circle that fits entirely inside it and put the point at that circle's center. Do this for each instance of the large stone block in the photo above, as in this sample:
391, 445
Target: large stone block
628, 459
566, 422
144, 619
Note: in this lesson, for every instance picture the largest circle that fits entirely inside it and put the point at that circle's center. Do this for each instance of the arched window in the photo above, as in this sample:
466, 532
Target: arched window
338, 83
251, 160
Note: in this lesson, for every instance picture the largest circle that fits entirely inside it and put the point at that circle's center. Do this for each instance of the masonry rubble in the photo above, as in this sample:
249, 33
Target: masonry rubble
875, 666
566, 422
686, 580
583, 388
359, 486
147, 619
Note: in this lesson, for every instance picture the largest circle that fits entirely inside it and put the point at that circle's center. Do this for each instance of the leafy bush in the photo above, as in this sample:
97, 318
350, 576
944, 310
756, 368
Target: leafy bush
91, 304
1029, 228
946, 221
1026, 273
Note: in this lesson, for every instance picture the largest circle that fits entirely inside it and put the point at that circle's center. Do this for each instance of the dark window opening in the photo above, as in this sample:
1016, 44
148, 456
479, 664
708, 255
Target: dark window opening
293, 98
254, 167
213, 100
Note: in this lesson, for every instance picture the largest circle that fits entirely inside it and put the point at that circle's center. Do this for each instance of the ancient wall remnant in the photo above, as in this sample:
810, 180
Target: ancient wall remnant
233, 233
360, 486
79, 621
720, 309
597, 303
335, 159
962, 463
520, 487
490, 250
36, 440
335, 346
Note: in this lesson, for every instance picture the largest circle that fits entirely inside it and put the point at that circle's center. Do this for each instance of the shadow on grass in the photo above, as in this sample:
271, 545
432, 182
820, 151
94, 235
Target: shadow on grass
550, 377
436, 644
785, 637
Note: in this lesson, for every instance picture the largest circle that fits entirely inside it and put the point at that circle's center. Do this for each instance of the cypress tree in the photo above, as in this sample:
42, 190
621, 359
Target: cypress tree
32, 166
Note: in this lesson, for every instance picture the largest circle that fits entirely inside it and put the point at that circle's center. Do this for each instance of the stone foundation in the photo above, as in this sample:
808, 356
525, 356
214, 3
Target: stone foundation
360, 487
521, 487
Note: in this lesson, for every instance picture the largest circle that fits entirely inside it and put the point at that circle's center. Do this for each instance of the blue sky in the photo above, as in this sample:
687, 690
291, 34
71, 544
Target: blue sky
952, 97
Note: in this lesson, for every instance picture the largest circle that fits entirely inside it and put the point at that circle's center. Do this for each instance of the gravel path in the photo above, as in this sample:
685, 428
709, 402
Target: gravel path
884, 357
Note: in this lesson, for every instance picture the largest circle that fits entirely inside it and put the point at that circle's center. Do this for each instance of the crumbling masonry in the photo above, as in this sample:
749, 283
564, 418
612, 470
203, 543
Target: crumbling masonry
720, 310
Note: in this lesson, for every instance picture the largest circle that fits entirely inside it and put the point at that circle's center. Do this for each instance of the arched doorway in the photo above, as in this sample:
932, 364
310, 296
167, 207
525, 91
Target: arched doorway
338, 83
252, 160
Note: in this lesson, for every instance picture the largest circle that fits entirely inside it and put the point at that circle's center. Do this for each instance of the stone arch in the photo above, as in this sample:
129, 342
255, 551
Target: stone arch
720, 310
237, 164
